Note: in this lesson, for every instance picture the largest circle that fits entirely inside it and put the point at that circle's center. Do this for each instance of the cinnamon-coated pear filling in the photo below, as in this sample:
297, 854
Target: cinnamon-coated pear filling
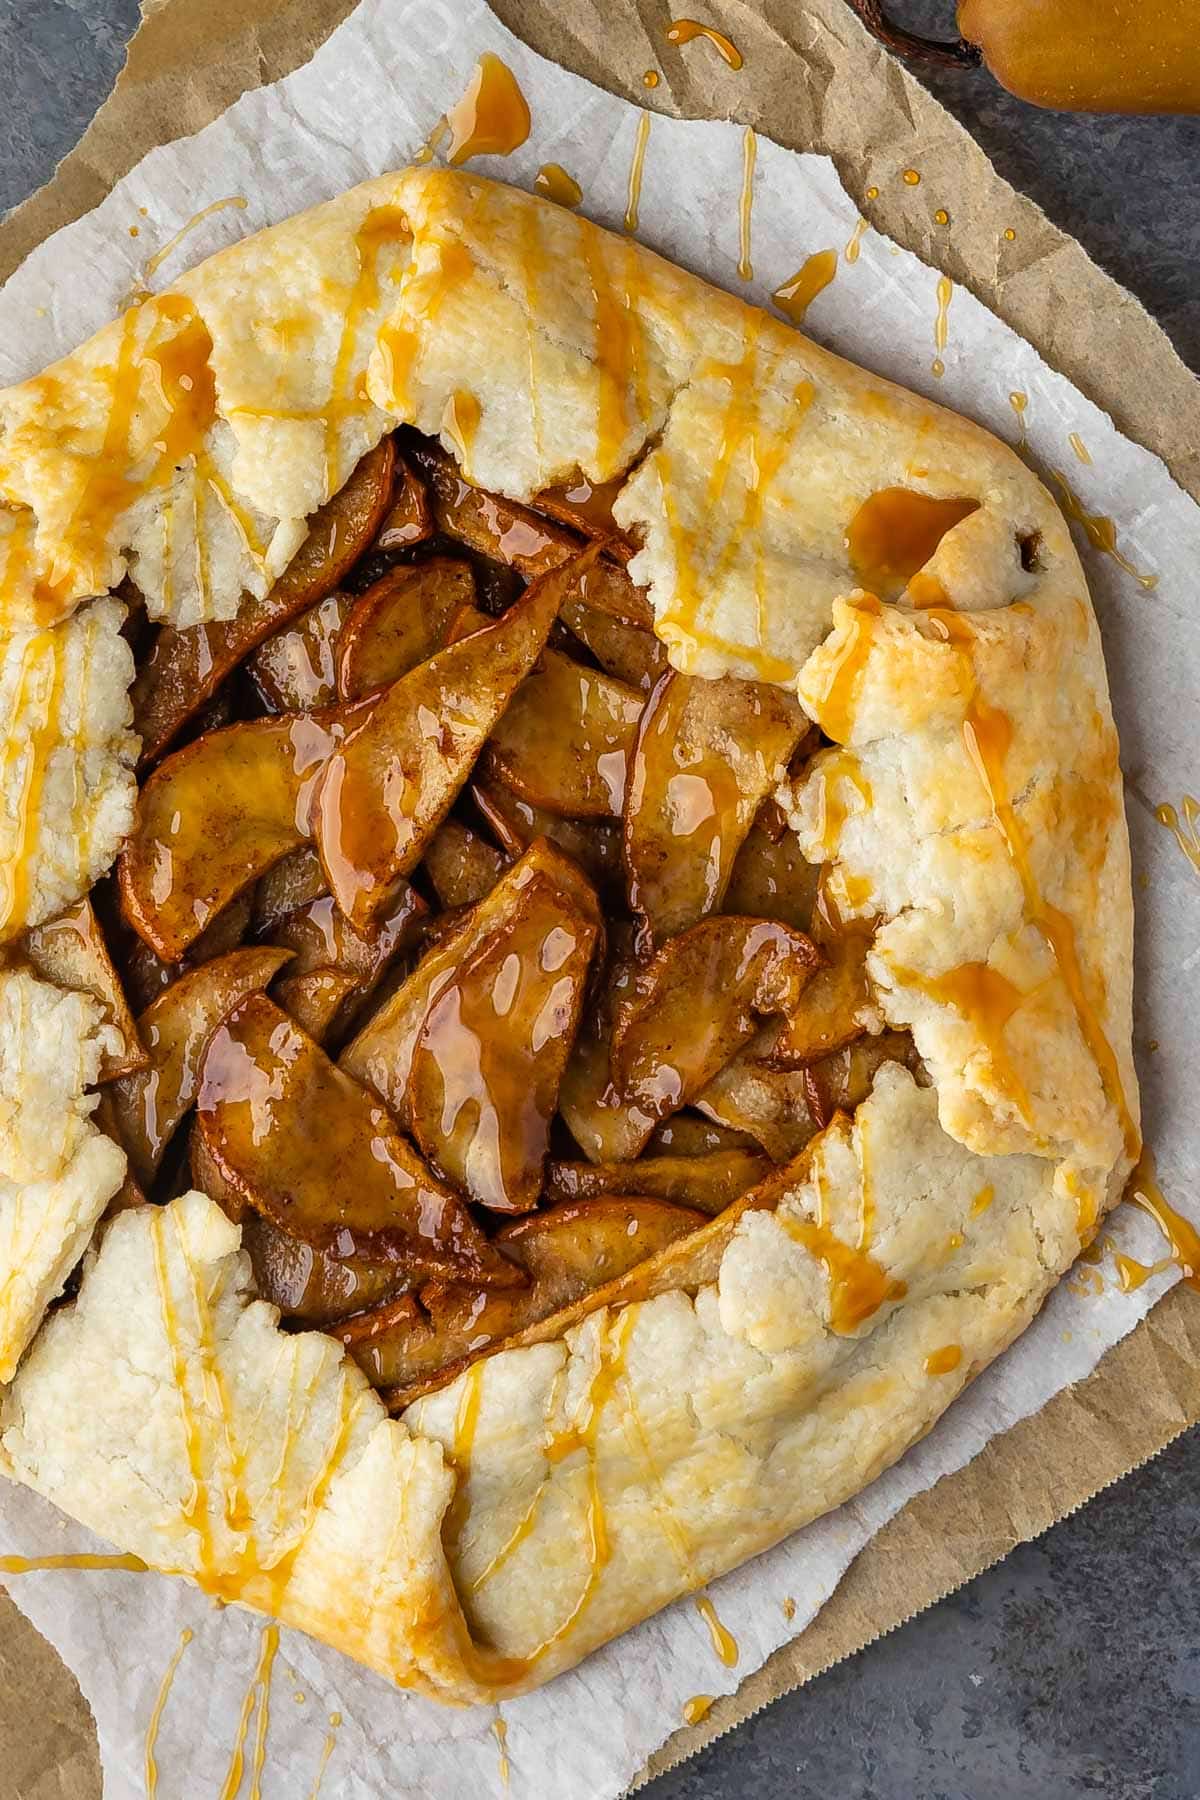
446, 901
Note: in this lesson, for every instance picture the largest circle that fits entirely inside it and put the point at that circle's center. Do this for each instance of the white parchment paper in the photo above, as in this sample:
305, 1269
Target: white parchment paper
364, 104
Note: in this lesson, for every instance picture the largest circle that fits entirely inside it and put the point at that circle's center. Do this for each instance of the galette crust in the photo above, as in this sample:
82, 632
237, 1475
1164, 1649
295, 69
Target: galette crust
699, 1414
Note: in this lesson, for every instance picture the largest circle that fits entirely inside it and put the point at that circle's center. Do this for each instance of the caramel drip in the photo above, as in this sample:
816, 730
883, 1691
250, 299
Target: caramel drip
633, 198
839, 698
987, 1000
1181, 1235
1079, 447
151, 1765
399, 344
257, 1695
983, 1199
553, 183
789, 1609
492, 118
383, 228
912, 178
461, 422
895, 532
723, 1642
651, 78
697, 1708
812, 278
745, 267
500, 1733
1019, 402
618, 347
27, 753
1132, 1274
941, 216
866, 1206
854, 246
196, 1509
858, 1286
30, 1565
686, 31
1100, 531
832, 809
155, 263
1186, 831
943, 1361
941, 326
327, 1749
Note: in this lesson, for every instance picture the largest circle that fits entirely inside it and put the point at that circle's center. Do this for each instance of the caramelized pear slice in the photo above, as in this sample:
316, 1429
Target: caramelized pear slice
470, 1050
385, 791
70, 951
830, 1011
606, 1125
772, 879
565, 741
150, 1104
319, 1001
186, 667
309, 1285
710, 1183
310, 1150
595, 844
699, 1001
567, 1253
399, 622
290, 884
295, 669
461, 866
586, 506
771, 1105
840, 1082
321, 937
215, 816
690, 1134
130, 1193
506, 532
707, 753
410, 519
628, 652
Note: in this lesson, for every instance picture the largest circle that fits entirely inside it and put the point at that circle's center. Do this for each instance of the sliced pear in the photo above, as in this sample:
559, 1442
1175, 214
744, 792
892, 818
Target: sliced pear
506, 532
768, 1104
595, 844
312, 1151
399, 622
700, 999
565, 741
385, 791
131, 1192
568, 1252
309, 1285
690, 1134
710, 1182
830, 1011
215, 816
840, 1082
70, 951
290, 884
461, 866
186, 667
209, 1179
586, 506
771, 878
295, 669
149, 1105
410, 518
607, 1126
707, 754
319, 1001
469, 1052
321, 937
628, 652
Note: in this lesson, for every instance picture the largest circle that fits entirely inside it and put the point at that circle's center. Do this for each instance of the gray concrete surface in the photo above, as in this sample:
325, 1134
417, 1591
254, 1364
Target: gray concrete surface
1074, 1667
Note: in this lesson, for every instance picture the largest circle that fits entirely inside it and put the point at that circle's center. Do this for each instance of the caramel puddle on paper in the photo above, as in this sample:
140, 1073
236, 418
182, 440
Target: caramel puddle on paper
1100, 530
745, 267
941, 325
500, 1733
1181, 1235
1186, 831
185, 1638
856, 237
553, 183
335, 1721
633, 197
29, 1565
257, 1694
723, 1642
685, 31
492, 118
796, 295
697, 1708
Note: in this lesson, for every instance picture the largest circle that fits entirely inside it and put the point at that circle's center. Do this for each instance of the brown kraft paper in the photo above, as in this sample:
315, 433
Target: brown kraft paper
805, 75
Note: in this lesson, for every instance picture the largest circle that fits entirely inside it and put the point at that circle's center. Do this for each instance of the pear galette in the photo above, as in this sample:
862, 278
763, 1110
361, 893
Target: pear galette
566, 928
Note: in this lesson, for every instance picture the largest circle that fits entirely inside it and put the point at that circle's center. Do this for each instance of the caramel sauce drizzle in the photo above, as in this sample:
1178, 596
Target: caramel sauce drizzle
500, 1733
858, 1285
384, 228
152, 1730
1100, 532
553, 183
686, 31
745, 267
257, 1695
941, 327
492, 118
723, 1642
155, 262
1186, 831
895, 532
1019, 403
633, 198
943, 1361
30, 1565
697, 1708
335, 1721
1079, 447
839, 698
1181, 1235
854, 246
800, 290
